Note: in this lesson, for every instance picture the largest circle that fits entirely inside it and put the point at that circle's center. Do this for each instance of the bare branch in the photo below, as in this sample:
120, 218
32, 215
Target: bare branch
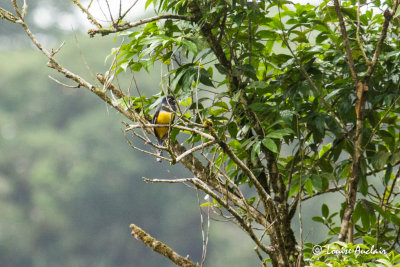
160, 247
54, 52
126, 26
171, 181
147, 152
246, 226
17, 10
242, 165
4, 14
194, 149
63, 84
118, 93
329, 190
131, 127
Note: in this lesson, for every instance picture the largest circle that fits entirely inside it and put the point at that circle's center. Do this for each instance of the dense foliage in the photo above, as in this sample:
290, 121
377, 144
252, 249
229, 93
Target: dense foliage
282, 92
280, 103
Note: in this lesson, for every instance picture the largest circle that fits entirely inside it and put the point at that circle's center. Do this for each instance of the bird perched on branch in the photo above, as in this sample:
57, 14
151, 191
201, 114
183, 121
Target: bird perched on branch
164, 115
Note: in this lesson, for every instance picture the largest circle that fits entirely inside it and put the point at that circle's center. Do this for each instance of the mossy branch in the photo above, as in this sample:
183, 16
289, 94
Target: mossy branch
160, 247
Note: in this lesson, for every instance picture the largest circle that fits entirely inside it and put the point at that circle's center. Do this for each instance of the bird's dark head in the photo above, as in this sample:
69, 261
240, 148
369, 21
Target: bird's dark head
169, 101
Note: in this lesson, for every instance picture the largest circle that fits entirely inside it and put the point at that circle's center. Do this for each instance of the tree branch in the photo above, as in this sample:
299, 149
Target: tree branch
388, 16
160, 247
362, 88
194, 149
266, 197
350, 60
4, 14
183, 128
126, 26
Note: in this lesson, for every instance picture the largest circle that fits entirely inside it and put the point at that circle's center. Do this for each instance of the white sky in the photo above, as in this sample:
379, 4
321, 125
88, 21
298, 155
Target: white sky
48, 17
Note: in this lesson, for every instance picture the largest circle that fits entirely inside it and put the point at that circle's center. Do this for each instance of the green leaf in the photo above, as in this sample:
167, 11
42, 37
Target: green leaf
148, 2
357, 213
287, 115
369, 240
255, 152
363, 185
207, 204
235, 144
221, 69
258, 85
205, 78
318, 219
388, 173
317, 182
309, 187
222, 104
395, 156
232, 129
325, 210
258, 107
251, 200
324, 149
385, 262
279, 134
397, 13
189, 45
380, 159
270, 144
365, 220
248, 70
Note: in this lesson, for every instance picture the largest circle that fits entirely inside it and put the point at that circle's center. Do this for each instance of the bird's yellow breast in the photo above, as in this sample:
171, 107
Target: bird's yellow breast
163, 118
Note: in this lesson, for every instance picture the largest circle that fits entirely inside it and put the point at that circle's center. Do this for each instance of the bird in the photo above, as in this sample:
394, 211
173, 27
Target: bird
164, 114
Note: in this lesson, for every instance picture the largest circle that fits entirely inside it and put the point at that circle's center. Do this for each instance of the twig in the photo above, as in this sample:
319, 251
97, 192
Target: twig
244, 225
160, 247
82, 57
109, 12
4, 14
110, 86
145, 151
24, 9
203, 234
54, 52
230, 182
63, 84
267, 200
329, 190
192, 150
171, 181
121, 17
89, 16
16, 8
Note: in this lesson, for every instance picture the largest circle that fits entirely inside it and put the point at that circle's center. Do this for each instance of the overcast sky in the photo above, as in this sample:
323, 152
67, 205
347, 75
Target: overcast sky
48, 17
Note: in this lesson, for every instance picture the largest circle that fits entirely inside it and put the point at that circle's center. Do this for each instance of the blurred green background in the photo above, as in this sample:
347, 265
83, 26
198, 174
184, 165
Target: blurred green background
70, 185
